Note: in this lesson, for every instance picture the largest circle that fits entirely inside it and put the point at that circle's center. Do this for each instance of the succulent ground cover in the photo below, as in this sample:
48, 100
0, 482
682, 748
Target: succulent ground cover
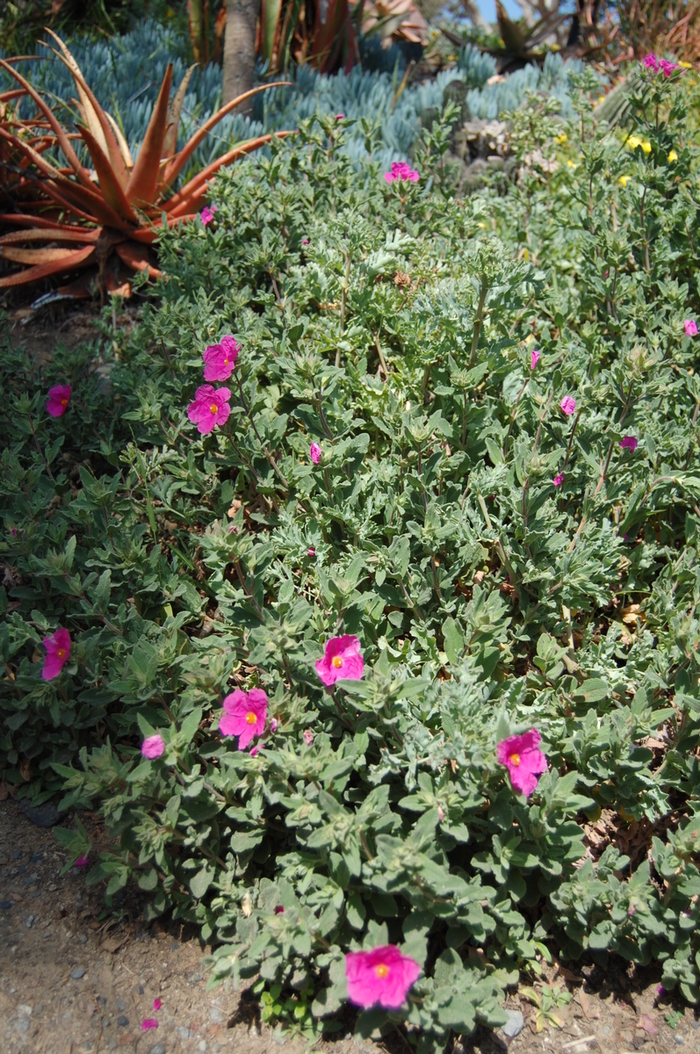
361, 602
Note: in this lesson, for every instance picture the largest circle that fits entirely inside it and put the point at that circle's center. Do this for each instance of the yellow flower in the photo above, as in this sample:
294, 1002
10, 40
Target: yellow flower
646, 146
571, 164
624, 180
560, 138
673, 156
686, 65
633, 142
482, 225
601, 99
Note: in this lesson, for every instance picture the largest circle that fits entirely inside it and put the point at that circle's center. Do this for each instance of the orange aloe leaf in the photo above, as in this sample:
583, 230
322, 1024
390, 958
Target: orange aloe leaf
33, 274
22, 218
61, 135
93, 114
136, 257
141, 188
182, 199
147, 235
170, 141
109, 184
44, 235
175, 167
34, 256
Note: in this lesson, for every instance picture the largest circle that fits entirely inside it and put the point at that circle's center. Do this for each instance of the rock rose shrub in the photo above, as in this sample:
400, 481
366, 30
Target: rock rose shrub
512, 585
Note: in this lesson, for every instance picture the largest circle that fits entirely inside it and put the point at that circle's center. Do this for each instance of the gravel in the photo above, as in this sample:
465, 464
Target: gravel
514, 1025
77, 973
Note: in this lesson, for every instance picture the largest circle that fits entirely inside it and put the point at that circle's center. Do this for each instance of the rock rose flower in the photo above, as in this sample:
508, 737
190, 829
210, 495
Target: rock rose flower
523, 759
315, 453
219, 359
534, 358
210, 408
59, 397
244, 715
153, 747
400, 171
691, 327
558, 479
342, 659
629, 443
57, 652
383, 975
207, 214
568, 405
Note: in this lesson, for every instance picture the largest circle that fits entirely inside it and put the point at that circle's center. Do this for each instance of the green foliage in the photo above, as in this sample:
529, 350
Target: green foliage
394, 326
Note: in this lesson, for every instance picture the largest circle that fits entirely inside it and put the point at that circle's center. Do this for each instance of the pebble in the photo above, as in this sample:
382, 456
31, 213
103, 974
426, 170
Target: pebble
24, 1009
82, 939
122, 1021
35, 858
215, 1015
101, 1000
29, 921
23, 1024
77, 973
679, 1040
695, 1024
605, 1030
194, 978
158, 1049
121, 1005
514, 1025
184, 1033
5, 905
202, 1045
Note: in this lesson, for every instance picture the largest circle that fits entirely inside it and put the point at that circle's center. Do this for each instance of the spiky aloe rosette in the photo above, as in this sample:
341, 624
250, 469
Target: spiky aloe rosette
81, 216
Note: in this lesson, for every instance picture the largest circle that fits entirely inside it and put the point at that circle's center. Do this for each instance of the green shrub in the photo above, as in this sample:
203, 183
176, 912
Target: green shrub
394, 326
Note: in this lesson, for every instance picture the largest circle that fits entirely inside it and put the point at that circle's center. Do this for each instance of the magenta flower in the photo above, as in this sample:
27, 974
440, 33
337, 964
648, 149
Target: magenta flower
149, 1022
401, 172
667, 67
690, 326
382, 976
340, 117
311, 551
210, 408
342, 658
629, 443
523, 759
82, 861
315, 453
534, 358
568, 405
152, 747
219, 359
157, 1004
274, 724
207, 214
308, 736
558, 479
304, 241
651, 62
660, 990
57, 652
59, 397
279, 910
244, 715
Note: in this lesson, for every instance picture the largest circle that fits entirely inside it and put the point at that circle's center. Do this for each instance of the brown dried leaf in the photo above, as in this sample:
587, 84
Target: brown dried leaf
648, 1025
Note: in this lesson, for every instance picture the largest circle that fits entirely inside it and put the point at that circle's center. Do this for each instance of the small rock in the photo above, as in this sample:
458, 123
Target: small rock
47, 935
122, 1021
77, 973
25, 1010
194, 978
184, 1033
215, 1015
279, 1038
695, 1024
605, 1030
23, 1024
202, 1045
45, 815
101, 1000
121, 1005
35, 858
679, 1040
29, 921
82, 939
514, 1025
158, 1049
5, 905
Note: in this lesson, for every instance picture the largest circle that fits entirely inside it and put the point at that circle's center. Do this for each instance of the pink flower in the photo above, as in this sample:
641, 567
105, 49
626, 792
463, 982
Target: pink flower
210, 408
568, 405
59, 397
629, 443
660, 990
651, 62
340, 117
219, 359
534, 358
82, 861
400, 171
558, 479
304, 241
311, 551
342, 658
315, 453
382, 976
149, 1022
523, 759
207, 214
308, 736
690, 326
157, 1004
57, 652
279, 910
274, 724
667, 67
152, 747
244, 715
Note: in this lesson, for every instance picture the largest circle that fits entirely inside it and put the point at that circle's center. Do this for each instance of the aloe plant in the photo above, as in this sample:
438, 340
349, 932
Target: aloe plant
119, 205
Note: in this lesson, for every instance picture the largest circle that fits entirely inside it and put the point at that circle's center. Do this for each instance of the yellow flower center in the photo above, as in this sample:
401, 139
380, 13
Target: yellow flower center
382, 970
251, 718
336, 661
515, 759
61, 652
214, 408
225, 362
64, 402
